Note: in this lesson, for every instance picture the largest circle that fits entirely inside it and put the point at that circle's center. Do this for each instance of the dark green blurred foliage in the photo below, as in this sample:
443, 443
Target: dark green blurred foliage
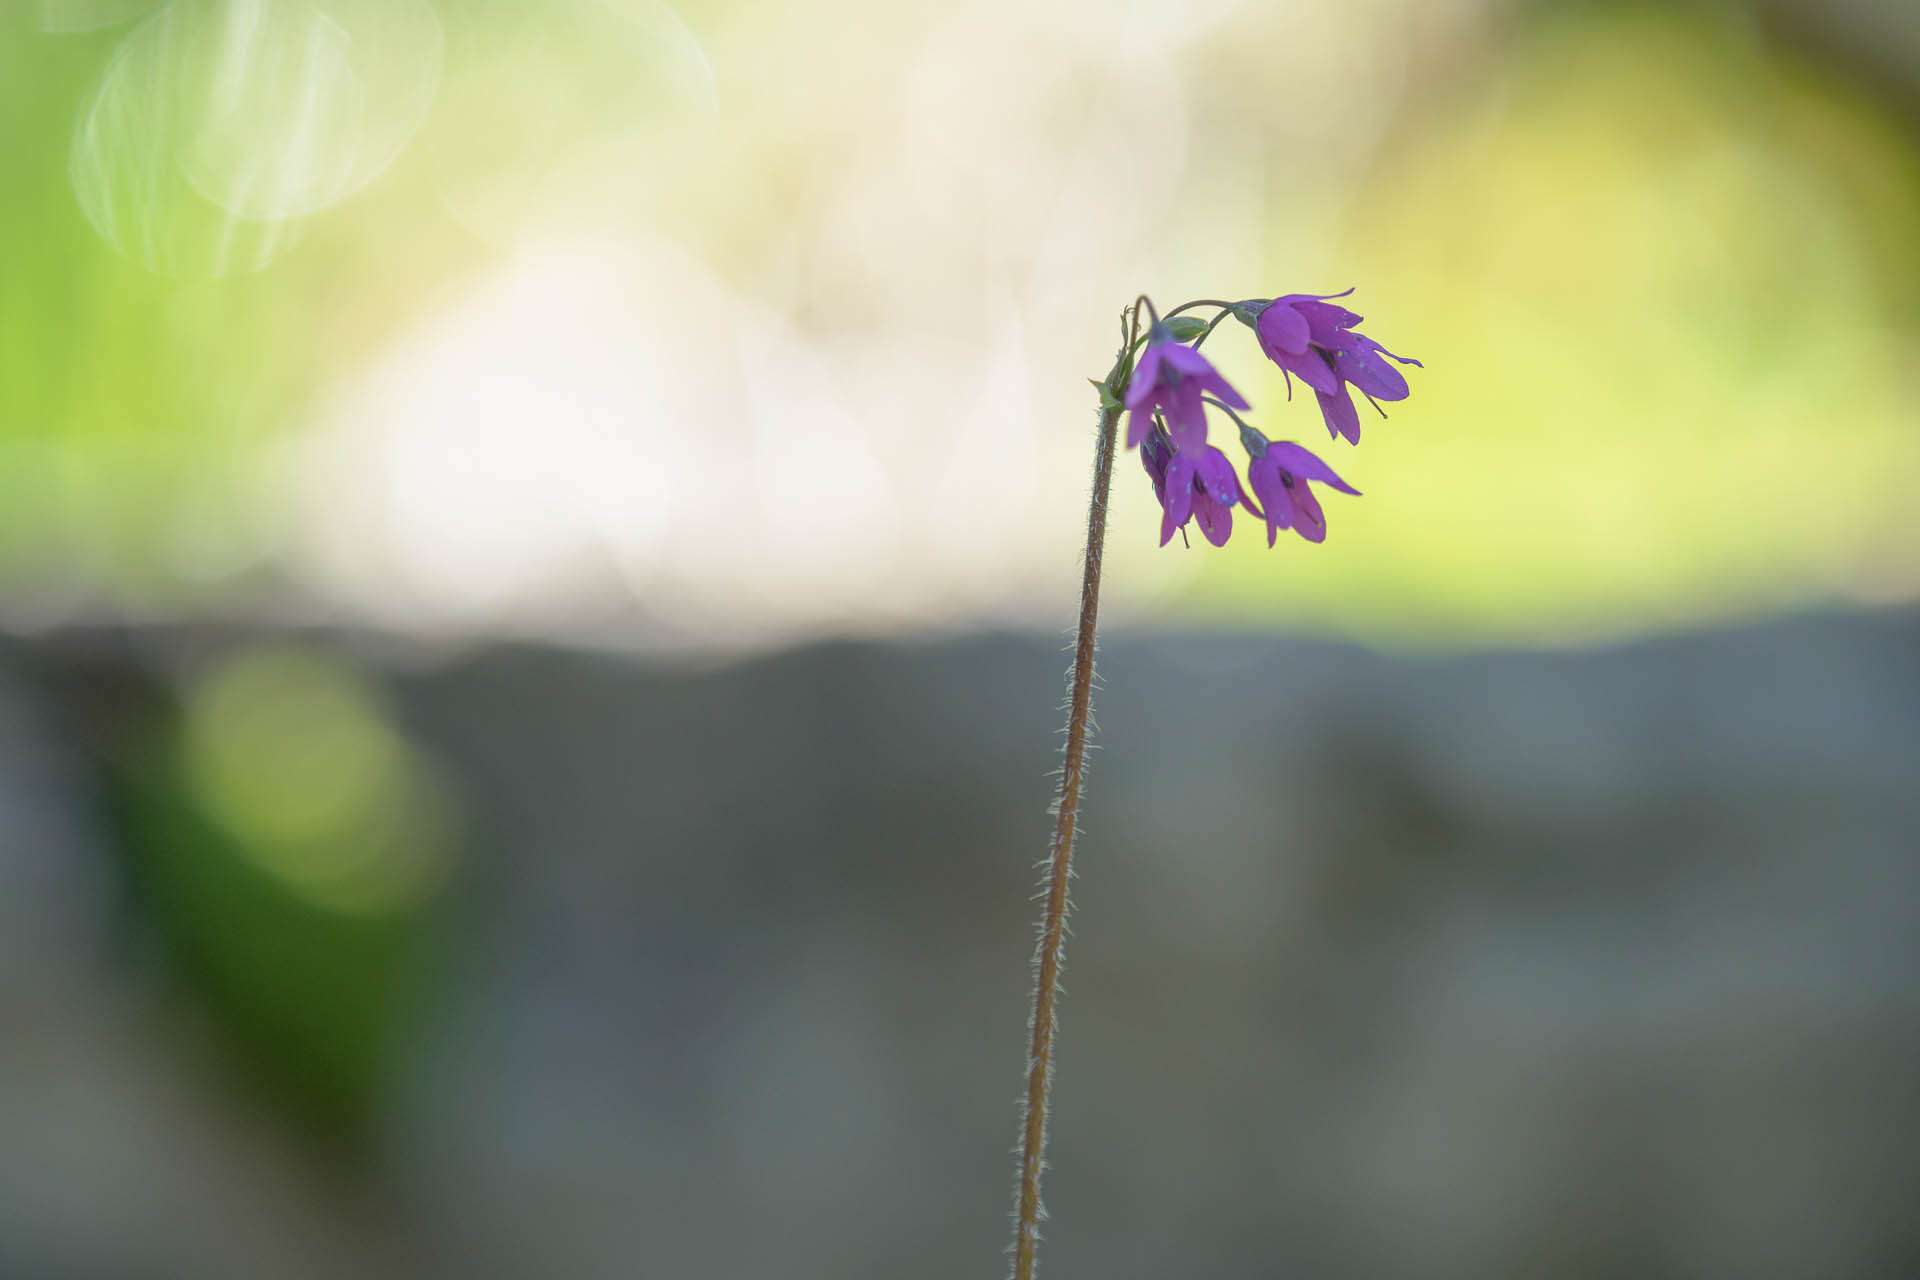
292, 850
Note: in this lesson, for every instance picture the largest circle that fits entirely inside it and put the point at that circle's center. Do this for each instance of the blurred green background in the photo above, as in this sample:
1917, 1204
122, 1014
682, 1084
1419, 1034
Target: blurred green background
533, 539
280, 268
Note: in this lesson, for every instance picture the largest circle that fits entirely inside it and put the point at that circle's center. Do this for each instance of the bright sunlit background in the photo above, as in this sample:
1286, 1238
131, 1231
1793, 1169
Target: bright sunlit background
534, 542
747, 321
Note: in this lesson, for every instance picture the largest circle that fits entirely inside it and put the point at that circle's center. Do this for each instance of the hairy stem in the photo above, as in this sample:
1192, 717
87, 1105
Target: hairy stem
1053, 922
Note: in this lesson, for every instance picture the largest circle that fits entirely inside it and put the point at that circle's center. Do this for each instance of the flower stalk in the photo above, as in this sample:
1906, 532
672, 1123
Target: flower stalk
1048, 954
1164, 385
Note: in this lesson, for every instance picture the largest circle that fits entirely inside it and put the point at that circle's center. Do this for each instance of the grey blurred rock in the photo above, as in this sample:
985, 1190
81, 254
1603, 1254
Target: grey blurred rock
1595, 964
1589, 963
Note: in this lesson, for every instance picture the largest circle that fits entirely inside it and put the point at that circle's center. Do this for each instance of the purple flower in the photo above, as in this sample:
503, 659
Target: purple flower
1278, 475
1314, 340
1170, 378
1200, 482
1156, 451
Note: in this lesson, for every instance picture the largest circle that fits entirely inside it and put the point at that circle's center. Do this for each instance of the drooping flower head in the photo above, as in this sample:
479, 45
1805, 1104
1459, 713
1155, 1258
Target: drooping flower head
1169, 388
1199, 483
1170, 378
1278, 474
1315, 340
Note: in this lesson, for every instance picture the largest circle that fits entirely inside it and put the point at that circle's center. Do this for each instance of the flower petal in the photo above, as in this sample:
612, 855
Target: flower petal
1193, 365
1185, 359
1187, 417
1215, 474
1216, 519
1155, 454
1342, 418
1308, 520
1245, 499
1282, 328
1357, 359
1220, 387
1305, 465
1139, 423
1311, 367
1313, 297
1145, 375
1179, 496
1325, 321
1263, 477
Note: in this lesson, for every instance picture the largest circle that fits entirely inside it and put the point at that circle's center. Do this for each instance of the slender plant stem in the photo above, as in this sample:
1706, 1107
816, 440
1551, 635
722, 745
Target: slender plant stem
1053, 923
1208, 333
1199, 302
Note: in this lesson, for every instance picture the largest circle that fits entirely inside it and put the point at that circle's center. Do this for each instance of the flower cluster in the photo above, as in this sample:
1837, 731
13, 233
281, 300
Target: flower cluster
1310, 337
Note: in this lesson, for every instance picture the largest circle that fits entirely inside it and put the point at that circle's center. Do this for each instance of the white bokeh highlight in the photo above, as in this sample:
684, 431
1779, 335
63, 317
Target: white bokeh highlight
305, 102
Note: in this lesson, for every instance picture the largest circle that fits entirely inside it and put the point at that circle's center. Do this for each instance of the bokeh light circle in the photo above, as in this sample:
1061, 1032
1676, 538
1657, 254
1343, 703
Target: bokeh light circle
305, 102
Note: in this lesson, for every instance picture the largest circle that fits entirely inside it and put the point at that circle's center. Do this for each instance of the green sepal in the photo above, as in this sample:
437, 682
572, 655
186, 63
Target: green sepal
1109, 402
1253, 440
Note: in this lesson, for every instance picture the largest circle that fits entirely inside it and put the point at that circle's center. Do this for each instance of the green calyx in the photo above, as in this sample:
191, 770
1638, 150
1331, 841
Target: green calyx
1185, 328
1252, 441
